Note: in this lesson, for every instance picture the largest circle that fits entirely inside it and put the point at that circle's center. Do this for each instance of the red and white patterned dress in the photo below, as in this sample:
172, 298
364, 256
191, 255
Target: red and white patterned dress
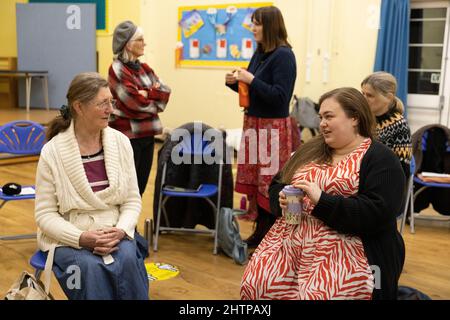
310, 260
254, 172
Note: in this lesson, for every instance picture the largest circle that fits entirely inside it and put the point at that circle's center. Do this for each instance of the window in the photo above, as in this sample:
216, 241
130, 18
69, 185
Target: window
426, 47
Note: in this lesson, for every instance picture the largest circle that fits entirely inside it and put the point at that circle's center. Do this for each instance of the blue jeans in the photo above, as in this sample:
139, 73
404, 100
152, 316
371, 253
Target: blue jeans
84, 276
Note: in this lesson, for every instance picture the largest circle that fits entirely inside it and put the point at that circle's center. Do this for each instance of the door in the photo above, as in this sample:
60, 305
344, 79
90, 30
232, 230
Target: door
428, 74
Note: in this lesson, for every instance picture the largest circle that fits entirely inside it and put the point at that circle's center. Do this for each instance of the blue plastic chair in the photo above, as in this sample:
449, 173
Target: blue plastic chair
21, 138
37, 261
409, 198
196, 148
423, 186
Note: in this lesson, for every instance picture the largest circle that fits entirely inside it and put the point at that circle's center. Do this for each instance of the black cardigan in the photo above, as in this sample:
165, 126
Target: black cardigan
370, 214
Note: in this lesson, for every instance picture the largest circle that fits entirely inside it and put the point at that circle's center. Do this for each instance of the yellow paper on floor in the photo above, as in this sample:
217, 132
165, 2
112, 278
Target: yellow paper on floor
160, 271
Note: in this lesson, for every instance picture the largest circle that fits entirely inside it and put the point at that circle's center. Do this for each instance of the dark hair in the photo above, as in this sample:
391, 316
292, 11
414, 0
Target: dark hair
385, 83
274, 31
355, 106
83, 88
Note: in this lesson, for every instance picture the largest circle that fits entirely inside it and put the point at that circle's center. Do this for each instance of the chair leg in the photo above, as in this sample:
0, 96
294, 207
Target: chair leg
411, 220
216, 236
45, 91
163, 208
408, 203
158, 220
37, 274
219, 195
149, 231
19, 237
28, 92
405, 210
216, 223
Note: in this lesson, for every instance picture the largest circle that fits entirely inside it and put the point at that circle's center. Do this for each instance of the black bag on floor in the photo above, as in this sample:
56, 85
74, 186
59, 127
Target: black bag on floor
408, 293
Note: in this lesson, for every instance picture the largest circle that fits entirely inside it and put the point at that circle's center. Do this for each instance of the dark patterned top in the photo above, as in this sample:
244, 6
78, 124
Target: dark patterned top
393, 131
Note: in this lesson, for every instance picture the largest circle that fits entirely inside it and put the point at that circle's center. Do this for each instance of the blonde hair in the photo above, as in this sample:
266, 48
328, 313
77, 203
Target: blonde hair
385, 83
124, 55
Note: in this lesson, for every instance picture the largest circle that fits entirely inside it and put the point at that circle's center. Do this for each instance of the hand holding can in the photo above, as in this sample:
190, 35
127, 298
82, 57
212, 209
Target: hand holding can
294, 206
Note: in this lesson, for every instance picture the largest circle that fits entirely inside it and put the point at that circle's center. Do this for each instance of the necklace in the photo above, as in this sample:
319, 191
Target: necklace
89, 156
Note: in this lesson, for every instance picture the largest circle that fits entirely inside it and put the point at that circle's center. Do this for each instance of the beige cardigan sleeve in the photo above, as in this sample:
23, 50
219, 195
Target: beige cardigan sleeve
48, 219
131, 207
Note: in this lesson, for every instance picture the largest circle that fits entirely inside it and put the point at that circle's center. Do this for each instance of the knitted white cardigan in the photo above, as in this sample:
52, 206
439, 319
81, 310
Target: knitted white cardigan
65, 204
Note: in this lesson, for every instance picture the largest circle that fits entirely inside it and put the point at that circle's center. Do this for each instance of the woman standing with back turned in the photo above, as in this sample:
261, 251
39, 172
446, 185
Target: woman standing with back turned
271, 77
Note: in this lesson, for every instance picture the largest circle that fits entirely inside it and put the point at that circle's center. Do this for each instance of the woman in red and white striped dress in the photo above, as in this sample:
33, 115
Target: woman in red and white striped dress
346, 245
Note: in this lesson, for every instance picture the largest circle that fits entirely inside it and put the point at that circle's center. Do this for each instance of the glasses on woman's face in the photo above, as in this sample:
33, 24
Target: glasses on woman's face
105, 104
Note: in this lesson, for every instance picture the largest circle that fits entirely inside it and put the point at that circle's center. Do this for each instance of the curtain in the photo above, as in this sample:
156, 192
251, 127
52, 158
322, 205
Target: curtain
392, 45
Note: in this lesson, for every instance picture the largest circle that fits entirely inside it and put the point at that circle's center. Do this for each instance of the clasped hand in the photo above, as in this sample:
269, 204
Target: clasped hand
311, 189
239, 75
102, 242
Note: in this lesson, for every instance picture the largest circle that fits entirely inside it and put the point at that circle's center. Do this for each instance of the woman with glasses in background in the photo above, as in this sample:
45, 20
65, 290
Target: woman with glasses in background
140, 96
87, 199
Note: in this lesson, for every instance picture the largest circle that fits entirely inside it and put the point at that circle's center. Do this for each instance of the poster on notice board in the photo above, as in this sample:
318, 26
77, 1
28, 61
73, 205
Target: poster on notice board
216, 35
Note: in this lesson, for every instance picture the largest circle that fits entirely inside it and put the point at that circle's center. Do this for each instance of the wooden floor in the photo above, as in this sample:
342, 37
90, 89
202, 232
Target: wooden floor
203, 276
41, 116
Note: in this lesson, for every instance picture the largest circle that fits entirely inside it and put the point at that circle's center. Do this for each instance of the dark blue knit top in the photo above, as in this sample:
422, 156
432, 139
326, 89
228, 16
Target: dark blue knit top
271, 89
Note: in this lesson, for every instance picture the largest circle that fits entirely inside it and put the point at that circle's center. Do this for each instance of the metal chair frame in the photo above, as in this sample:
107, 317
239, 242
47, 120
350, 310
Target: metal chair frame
164, 196
20, 137
411, 195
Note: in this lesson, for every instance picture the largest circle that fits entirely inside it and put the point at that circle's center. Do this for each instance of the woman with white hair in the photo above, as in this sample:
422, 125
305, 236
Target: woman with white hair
140, 96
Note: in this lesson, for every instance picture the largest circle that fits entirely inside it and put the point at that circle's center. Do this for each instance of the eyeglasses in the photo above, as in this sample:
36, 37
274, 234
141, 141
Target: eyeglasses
105, 104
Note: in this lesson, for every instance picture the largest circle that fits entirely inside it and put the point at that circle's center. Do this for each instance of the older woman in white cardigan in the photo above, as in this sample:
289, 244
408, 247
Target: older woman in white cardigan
87, 198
